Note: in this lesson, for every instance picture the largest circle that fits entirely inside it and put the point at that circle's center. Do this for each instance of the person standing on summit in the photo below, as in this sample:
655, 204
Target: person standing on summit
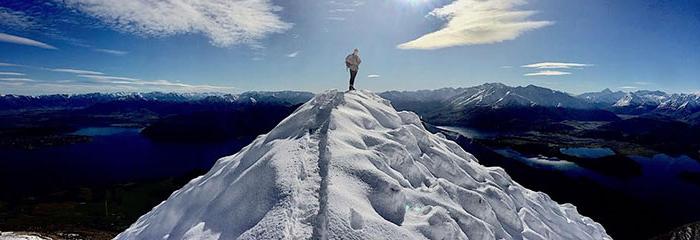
352, 62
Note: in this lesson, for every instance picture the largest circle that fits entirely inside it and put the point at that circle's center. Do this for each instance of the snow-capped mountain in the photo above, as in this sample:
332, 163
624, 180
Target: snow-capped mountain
686, 103
349, 166
437, 95
641, 99
497, 95
603, 98
644, 101
83, 100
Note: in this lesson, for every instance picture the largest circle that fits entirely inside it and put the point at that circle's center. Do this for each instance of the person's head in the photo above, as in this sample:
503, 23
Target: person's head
356, 51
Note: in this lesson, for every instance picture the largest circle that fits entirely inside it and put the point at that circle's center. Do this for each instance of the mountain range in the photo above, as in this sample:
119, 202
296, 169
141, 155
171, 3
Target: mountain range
445, 106
10, 101
683, 106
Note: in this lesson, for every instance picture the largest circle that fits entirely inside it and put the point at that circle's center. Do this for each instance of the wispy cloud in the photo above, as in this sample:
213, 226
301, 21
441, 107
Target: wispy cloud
373, 76
556, 65
346, 4
24, 41
2, 64
471, 22
506, 67
94, 81
104, 78
115, 80
16, 79
12, 74
70, 86
16, 20
225, 23
547, 73
643, 83
293, 55
341, 10
628, 87
76, 71
104, 84
111, 51
336, 18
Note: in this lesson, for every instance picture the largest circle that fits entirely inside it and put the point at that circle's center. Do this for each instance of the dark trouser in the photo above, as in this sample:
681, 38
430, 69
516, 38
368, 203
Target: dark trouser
352, 77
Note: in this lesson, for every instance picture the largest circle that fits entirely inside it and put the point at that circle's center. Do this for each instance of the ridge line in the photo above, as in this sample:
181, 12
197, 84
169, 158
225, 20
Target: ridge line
320, 230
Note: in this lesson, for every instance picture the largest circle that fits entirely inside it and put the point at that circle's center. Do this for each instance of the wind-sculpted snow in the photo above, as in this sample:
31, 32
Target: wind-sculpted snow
349, 166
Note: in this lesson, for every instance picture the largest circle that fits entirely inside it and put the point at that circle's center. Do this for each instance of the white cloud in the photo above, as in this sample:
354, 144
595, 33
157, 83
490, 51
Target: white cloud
341, 10
111, 51
225, 23
76, 71
556, 65
346, 4
16, 20
12, 74
108, 78
471, 22
373, 76
93, 81
69, 86
628, 87
547, 73
336, 18
293, 55
643, 83
16, 79
2, 64
24, 41
165, 84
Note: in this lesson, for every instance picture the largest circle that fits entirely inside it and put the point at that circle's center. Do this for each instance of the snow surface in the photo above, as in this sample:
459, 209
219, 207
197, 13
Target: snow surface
20, 236
347, 165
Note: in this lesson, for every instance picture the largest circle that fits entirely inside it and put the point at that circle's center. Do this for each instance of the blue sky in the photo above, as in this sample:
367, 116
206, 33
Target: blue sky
73, 46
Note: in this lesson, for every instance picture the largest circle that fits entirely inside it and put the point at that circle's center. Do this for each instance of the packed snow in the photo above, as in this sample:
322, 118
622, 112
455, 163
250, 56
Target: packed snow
20, 236
347, 165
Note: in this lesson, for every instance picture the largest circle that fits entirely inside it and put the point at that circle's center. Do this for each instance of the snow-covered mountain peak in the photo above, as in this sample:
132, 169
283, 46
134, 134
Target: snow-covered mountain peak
348, 165
497, 95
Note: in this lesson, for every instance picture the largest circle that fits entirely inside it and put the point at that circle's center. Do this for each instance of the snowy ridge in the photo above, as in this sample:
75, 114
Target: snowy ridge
658, 101
347, 165
497, 95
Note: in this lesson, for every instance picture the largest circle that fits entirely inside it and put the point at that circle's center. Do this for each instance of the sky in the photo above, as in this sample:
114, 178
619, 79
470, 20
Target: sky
78, 46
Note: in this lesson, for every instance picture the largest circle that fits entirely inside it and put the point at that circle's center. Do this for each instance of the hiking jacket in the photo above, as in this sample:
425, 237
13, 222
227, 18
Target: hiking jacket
353, 61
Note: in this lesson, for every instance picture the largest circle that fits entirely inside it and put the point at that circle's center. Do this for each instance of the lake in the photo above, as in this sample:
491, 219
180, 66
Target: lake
587, 152
470, 132
115, 155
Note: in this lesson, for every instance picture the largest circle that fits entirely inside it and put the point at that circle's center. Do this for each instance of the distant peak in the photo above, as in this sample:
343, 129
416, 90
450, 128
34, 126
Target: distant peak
496, 84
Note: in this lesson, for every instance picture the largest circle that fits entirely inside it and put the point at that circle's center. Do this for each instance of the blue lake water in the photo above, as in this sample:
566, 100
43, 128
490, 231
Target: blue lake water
660, 182
469, 132
115, 155
585, 152
106, 131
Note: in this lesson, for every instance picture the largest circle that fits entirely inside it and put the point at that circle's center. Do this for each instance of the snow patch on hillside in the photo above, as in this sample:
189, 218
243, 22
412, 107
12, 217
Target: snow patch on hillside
347, 165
